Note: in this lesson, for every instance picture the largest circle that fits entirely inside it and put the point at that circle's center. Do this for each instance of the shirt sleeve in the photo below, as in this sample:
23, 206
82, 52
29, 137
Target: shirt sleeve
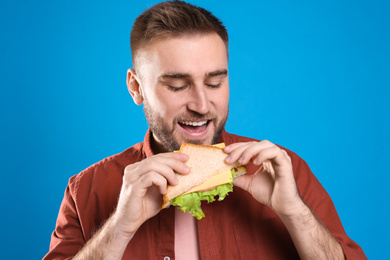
67, 238
316, 197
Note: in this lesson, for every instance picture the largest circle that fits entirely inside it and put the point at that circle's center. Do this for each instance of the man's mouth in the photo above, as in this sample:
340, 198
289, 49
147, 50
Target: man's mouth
194, 126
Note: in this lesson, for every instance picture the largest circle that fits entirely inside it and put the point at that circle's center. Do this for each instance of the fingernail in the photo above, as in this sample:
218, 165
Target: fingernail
228, 159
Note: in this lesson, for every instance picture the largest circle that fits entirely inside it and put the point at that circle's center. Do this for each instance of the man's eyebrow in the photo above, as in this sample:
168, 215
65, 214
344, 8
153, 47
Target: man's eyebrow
174, 76
222, 72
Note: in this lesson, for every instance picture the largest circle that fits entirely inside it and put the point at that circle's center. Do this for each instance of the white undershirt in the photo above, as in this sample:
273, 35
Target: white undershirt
186, 236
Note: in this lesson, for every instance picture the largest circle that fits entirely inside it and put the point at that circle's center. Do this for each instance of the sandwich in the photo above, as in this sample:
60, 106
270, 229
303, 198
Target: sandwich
209, 177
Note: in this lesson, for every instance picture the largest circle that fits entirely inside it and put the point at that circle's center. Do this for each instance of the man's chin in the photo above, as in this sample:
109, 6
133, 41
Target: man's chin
199, 142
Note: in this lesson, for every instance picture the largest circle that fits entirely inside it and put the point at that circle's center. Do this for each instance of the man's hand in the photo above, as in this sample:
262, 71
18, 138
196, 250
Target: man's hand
273, 184
144, 183
140, 198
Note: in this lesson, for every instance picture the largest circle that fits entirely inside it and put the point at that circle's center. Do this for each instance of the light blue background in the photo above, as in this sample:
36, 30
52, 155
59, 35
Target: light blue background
313, 77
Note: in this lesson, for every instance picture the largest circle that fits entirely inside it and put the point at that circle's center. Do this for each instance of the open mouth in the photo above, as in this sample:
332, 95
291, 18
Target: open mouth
194, 126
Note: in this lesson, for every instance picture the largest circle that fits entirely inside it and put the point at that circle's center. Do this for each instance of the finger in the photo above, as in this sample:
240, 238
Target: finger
176, 155
232, 147
244, 153
165, 164
243, 181
176, 161
167, 168
152, 179
169, 174
235, 152
268, 153
276, 155
251, 152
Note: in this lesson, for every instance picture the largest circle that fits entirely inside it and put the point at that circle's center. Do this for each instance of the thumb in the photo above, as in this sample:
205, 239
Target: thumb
243, 182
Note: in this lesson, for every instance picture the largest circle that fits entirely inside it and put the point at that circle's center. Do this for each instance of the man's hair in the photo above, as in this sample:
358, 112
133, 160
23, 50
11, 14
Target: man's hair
173, 19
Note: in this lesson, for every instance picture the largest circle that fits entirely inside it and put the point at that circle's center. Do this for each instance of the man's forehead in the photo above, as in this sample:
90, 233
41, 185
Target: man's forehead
184, 57
150, 49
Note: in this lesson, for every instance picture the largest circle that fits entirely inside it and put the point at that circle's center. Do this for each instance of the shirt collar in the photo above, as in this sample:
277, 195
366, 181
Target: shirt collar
147, 147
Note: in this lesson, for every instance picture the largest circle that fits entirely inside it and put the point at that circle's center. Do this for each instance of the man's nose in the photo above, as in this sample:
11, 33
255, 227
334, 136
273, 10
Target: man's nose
199, 100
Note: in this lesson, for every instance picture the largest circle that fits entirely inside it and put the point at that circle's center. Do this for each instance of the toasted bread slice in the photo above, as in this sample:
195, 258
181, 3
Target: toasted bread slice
204, 161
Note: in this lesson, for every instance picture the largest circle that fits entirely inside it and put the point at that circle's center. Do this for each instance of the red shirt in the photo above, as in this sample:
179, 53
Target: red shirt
236, 228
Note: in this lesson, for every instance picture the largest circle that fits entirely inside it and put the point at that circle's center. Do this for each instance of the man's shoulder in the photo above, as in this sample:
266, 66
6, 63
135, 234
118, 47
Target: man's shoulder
110, 168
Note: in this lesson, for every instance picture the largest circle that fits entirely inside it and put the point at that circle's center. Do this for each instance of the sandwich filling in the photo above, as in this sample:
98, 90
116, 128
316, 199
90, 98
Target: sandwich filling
191, 201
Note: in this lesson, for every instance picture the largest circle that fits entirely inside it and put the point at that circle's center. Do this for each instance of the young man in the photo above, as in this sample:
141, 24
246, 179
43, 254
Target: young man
112, 209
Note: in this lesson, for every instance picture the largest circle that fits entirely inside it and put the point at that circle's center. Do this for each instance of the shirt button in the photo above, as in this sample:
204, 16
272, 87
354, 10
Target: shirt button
167, 258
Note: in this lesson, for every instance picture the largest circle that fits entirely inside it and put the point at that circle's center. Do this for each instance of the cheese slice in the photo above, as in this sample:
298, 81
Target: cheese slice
216, 180
220, 145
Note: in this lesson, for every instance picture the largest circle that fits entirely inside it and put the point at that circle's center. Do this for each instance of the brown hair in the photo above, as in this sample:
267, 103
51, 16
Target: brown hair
173, 19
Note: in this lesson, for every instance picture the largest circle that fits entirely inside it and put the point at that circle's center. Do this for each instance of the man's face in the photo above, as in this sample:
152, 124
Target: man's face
185, 89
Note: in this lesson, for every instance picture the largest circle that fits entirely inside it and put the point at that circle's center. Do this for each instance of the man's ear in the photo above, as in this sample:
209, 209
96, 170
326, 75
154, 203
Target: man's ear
134, 87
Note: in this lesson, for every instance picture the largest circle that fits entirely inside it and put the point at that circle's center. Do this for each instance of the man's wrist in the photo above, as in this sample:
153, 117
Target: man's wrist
300, 218
118, 228
108, 243
295, 210
308, 233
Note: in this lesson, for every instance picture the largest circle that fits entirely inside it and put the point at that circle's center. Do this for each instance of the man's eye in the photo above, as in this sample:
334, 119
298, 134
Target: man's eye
214, 85
176, 88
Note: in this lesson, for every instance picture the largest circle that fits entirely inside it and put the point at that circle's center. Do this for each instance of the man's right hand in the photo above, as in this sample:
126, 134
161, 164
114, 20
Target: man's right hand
140, 198
144, 183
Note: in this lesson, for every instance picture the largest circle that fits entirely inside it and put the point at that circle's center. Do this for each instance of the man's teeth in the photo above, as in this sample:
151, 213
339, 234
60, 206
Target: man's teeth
194, 123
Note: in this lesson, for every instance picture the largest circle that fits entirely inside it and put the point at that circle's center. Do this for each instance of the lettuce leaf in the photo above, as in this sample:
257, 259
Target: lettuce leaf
191, 202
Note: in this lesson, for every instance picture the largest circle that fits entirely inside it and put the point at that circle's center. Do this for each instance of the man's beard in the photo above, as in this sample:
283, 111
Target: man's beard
166, 135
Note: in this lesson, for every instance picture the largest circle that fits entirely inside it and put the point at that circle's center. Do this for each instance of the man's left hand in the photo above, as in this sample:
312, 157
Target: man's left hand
273, 184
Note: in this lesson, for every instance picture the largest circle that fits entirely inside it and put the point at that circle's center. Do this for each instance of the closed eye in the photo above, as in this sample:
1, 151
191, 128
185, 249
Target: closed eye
214, 85
175, 89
